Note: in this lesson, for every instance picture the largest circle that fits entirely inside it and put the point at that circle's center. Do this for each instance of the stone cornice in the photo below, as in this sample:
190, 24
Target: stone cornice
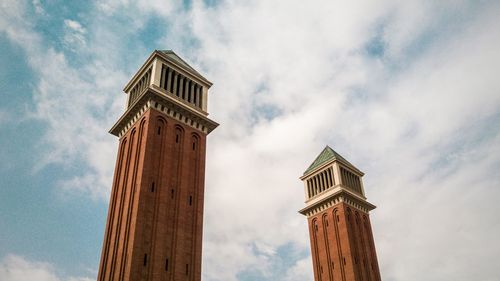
337, 196
154, 97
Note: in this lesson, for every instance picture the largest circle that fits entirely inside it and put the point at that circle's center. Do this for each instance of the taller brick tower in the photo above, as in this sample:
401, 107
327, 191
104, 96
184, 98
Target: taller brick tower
342, 246
155, 217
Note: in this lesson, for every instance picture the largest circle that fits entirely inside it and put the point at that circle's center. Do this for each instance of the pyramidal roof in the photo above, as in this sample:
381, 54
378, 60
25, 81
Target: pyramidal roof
170, 54
327, 155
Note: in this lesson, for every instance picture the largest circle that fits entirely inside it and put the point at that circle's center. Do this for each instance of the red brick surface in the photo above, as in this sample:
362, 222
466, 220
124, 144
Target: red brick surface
342, 246
156, 205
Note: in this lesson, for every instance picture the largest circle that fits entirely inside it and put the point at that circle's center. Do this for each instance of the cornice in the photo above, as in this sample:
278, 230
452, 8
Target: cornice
338, 196
156, 98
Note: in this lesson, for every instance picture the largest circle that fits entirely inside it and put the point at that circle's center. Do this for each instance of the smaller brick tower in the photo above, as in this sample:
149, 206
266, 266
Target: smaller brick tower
342, 246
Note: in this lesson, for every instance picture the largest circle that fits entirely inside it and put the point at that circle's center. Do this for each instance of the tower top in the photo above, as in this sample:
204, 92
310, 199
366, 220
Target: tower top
169, 84
331, 178
171, 58
327, 156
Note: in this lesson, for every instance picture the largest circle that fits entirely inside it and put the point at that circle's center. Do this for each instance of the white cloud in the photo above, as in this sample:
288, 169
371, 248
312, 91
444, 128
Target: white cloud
17, 268
74, 35
162, 8
74, 102
39, 8
309, 65
419, 119
300, 271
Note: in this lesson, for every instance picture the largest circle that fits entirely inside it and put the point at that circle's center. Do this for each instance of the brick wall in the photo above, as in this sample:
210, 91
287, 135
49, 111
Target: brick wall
155, 217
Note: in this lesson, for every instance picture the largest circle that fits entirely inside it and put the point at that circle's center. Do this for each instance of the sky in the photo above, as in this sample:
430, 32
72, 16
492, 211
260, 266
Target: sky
407, 91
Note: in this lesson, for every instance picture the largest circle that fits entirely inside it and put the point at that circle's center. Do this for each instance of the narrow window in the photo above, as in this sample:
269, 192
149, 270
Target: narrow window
145, 259
153, 187
344, 261
177, 138
194, 145
166, 265
172, 193
190, 200
159, 130
187, 269
338, 219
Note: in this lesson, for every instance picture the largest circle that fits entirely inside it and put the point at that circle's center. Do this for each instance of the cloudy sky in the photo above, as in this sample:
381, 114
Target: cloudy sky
408, 91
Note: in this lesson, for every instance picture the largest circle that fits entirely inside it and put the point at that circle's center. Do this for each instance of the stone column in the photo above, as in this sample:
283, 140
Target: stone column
306, 189
155, 73
198, 96
181, 87
169, 79
174, 89
336, 173
186, 89
191, 93
204, 95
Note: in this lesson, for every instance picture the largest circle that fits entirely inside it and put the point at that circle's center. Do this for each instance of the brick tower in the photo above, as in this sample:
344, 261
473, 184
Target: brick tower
155, 217
342, 246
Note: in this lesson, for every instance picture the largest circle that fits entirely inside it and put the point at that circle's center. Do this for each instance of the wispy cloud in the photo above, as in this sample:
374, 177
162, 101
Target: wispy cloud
74, 103
17, 268
418, 114
392, 114
74, 36
39, 10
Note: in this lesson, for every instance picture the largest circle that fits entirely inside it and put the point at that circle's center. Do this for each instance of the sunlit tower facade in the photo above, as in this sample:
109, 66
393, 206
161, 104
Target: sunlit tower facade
342, 245
155, 216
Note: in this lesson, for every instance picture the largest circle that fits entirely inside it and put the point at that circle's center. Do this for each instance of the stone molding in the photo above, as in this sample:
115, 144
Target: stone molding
157, 98
339, 195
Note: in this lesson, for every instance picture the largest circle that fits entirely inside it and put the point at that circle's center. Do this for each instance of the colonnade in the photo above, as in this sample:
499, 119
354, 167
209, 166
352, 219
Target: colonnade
320, 182
350, 180
140, 86
181, 86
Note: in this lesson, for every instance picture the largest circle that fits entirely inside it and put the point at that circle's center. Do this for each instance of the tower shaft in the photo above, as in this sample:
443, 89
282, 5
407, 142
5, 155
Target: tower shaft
342, 245
155, 216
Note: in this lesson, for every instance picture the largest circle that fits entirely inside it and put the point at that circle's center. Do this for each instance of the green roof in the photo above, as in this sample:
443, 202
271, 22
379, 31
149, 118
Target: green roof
327, 155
